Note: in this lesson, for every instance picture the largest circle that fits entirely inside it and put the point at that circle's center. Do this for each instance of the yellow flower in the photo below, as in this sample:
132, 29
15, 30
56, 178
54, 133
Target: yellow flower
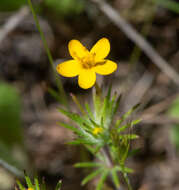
86, 64
97, 130
30, 189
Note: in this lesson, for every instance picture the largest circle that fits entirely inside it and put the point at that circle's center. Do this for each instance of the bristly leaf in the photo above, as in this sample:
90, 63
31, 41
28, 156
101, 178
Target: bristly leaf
20, 185
89, 111
92, 175
135, 122
37, 187
126, 115
72, 128
125, 153
75, 117
129, 136
117, 104
124, 169
102, 179
97, 101
85, 141
115, 177
109, 92
105, 110
124, 127
87, 165
28, 181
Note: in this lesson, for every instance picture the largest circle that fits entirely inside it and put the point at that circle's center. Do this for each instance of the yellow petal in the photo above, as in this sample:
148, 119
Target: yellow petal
107, 68
77, 50
69, 68
86, 78
101, 49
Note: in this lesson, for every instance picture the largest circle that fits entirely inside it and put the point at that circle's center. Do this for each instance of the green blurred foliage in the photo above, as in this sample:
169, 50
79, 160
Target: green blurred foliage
11, 5
174, 112
169, 4
65, 7
10, 119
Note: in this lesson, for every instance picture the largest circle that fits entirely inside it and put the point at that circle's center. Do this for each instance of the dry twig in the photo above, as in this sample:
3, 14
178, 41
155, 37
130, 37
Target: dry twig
13, 22
11, 169
132, 34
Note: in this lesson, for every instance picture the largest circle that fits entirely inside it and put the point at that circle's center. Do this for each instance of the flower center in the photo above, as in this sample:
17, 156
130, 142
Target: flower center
97, 130
88, 61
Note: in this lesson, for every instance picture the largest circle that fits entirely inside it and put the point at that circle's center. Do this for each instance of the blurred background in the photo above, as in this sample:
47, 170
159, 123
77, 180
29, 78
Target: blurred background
31, 140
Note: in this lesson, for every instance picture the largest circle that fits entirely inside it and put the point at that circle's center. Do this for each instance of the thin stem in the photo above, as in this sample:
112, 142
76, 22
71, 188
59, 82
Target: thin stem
58, 81
109, 164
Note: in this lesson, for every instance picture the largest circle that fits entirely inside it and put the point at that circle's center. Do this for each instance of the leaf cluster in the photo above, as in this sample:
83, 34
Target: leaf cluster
35, 184
111, 146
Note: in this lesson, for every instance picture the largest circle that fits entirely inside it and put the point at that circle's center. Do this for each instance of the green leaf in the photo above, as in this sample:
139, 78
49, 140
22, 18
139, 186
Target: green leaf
115, 177
20, 185
124, 169
126, 115
102, 179
109, 111
91, 176
123, 128
75, 117
87, 164
28, 181
59, 185
82, 141
97, 101
126, 150
131, 124
105, 110
135, 122
72, 128
129, 136
117, 104
37, 187
89, 111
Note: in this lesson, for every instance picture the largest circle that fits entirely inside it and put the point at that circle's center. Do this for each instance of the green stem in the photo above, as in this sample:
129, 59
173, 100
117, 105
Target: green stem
58, 81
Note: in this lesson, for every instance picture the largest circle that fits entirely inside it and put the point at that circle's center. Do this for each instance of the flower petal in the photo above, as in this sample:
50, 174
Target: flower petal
101, 49
77, 50
86, 78
69, 68
107, 68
